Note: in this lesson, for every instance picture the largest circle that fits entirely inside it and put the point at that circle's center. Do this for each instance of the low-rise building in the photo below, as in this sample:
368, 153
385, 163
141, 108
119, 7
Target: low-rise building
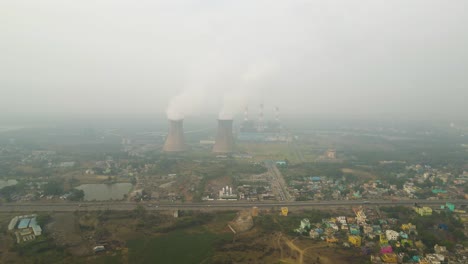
392, 235
386, 249
440, 249
284, 211
12, 223
409, 228
314, 234
383, 239
355, 240
389, 258
25, 227
354, 230
423, 211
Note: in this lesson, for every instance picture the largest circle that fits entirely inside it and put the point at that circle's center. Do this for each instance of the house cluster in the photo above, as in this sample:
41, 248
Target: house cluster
255, 192
385, 240
317, 188
442, 184
417, 182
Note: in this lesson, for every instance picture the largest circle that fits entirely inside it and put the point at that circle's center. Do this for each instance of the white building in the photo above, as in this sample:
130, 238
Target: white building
226, 193
392, 235
13, 223
341, 219
305, 223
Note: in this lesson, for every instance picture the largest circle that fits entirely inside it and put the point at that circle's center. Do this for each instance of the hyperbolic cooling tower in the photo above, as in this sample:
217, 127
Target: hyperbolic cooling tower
224, 139
175, 141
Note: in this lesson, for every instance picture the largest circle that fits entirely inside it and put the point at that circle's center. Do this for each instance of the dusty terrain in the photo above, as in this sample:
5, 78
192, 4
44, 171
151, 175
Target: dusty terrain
125, 234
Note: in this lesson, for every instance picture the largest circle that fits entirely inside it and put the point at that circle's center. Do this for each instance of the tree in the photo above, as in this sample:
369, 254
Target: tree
53, 188
139, 211
76, 195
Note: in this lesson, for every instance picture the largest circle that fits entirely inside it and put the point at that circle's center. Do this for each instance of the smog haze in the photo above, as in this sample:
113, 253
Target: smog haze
190, 58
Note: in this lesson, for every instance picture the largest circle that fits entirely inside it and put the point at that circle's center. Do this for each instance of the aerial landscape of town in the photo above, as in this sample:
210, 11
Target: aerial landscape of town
233, 132
255, 192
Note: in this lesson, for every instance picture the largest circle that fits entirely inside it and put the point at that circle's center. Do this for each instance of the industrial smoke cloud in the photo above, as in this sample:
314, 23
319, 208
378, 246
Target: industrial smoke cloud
337, 57
251, 83
234, 98
189, 101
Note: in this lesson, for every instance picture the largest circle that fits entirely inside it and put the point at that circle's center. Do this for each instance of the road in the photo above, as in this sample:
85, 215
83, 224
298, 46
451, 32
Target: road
297, 152
212, 205
278, 184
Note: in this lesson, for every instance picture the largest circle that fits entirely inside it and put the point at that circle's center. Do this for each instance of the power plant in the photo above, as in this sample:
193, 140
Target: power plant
224, 139
261, 130
175, 141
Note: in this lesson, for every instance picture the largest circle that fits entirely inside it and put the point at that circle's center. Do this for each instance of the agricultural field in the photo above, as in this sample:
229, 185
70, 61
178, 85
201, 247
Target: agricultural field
273, 151
175, 247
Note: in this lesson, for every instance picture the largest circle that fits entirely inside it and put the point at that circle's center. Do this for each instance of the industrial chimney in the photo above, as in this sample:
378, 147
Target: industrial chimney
224, 139
175, 141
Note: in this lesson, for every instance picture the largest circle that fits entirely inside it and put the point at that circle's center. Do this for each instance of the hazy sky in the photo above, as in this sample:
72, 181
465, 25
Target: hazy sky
394, 57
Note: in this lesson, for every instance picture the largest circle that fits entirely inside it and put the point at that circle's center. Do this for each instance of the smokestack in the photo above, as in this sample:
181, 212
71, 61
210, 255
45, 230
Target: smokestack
246, 114
224, 139
260, 119
175, 141
277, 114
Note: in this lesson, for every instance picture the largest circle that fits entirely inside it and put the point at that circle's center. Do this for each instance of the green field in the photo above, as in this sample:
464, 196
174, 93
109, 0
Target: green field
174, 247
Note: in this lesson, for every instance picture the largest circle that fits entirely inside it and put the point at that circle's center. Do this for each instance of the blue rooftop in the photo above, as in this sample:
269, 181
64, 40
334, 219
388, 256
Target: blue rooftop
24, 223
33, 222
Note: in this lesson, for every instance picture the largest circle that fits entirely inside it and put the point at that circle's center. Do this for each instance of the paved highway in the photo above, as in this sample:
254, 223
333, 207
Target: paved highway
278, 184
213, 205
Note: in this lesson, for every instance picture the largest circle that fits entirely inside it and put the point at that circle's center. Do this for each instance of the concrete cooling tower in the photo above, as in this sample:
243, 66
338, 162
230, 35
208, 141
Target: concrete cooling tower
175, 141
224, 139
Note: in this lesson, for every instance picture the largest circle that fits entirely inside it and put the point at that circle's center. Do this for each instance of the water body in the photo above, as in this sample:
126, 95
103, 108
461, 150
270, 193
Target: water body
5, 183
101, 192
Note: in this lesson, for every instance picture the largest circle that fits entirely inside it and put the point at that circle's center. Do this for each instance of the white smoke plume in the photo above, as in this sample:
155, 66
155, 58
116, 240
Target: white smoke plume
189, 101
251, 83
202, 75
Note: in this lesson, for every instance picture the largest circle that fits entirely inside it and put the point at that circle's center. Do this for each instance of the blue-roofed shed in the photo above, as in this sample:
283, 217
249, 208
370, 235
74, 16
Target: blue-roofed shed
24, 223
315, 178
403, 235
450, 206
354, 230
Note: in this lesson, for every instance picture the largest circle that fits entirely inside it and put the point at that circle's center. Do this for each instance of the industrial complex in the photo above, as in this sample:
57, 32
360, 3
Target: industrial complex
260, 131
25, 227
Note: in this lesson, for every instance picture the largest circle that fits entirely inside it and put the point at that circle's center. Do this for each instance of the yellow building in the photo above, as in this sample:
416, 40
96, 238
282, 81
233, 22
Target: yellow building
383, 239
332, 240
389, 258
408, 227
464, 218
423, 211
284, 211
355, 240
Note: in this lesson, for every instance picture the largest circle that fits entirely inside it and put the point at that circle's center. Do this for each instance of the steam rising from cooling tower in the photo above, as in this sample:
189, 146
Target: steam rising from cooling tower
175, 141
224, 139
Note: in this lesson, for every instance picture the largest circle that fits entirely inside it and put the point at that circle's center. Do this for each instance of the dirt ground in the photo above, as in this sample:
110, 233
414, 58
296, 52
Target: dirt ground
65, 231
364, 175
78, 233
